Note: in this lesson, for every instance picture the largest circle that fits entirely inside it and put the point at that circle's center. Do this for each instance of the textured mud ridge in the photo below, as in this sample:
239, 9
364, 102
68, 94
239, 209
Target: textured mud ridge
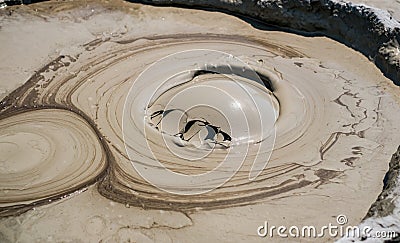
384, 205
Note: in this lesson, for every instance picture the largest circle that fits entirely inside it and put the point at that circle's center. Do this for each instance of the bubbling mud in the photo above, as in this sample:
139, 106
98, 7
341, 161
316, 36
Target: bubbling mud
186, 122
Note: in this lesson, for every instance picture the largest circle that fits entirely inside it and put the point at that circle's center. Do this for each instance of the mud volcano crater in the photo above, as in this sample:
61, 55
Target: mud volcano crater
207, 119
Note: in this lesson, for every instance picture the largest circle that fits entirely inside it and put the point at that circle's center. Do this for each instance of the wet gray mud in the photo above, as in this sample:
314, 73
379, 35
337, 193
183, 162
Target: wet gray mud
106, 121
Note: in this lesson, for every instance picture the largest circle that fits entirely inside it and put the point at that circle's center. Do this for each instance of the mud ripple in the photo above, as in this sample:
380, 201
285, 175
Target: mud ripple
46, 154
105, 113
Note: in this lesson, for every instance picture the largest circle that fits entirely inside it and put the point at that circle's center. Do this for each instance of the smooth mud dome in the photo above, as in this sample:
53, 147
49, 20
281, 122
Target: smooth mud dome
79, 80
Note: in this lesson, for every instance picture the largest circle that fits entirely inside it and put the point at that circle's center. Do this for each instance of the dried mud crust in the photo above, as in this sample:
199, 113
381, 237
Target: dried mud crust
384, 204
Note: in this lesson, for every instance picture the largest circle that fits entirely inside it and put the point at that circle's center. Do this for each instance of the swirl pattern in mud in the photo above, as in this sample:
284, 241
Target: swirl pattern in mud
189, 122
44, 156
